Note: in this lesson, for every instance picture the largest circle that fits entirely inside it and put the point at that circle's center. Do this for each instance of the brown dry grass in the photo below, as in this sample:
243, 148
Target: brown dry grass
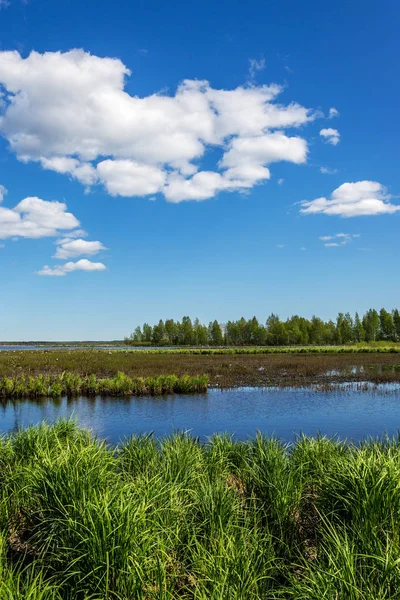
223, 370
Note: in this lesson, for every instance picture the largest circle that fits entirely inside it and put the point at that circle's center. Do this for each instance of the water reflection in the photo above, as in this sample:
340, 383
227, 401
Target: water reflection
351, 411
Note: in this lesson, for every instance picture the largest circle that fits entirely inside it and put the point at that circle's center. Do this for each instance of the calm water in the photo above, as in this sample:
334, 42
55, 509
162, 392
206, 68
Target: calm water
72, 347
347, 412
16, 347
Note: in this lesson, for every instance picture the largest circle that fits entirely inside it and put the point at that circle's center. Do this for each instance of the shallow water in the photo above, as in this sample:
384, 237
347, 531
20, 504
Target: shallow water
71, 347
346, 411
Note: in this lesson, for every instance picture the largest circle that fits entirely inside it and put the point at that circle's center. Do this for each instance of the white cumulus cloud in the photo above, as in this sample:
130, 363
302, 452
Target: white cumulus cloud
333, 112
82, 171
71, 248
330, 136
70, 112
81, 265
129, 178
36, 218
360, 198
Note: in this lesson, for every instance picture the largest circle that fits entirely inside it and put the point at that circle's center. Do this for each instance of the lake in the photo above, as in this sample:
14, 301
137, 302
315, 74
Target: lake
348, 411
15, 347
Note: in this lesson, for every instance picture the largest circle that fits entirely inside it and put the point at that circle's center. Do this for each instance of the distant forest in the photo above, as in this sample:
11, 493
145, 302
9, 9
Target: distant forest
373, 326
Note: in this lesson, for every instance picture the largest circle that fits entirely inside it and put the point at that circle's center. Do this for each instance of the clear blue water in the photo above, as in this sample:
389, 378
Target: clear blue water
347, 412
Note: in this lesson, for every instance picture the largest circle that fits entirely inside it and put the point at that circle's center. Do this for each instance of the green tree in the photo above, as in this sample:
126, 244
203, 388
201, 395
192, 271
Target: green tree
215, 332
358, 333
371, 325
187, 331
276, 330
396, 323
147, 333
171, 332
317, 331
344, 328
137, 335
159, 333
387, 330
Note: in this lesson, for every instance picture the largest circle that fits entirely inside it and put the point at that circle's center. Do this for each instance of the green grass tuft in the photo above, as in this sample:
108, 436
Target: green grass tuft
174, 518
70, 384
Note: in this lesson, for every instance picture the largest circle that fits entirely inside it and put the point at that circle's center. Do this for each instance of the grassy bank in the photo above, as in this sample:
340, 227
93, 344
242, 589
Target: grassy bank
71, 384
176, 519
223, 370
383, 348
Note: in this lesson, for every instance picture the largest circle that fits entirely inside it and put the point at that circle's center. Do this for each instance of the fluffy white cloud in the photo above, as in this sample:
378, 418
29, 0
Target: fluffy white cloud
70, 112
36, 218
333, 112
129, 178
70, 248
82, 171
265, 149
81, 265
3, 192
339, 239
201, 186
352, 200
331, 136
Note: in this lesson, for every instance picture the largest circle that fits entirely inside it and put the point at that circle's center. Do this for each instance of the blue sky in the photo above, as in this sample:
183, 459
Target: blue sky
162, 159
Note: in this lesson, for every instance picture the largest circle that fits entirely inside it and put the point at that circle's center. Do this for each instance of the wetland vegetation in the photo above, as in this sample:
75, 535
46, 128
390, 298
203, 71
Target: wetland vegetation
173, 518
224, 367
71, 384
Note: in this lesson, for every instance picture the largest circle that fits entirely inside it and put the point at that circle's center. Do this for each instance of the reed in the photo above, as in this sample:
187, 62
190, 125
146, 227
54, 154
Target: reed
174, 518
71, 384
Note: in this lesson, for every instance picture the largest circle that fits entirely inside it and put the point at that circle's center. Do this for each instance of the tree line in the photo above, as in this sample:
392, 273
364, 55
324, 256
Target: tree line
371, 327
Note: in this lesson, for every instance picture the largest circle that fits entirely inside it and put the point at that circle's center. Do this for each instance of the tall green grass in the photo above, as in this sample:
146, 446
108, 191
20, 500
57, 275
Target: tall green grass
172, 518
71, 384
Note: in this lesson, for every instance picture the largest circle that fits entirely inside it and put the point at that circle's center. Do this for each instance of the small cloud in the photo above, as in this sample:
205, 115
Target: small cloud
333, 112
72, 248
152, 199
255, 66
2, 245
339, 239
3, 192
328, 171
4, 4
280, 246
81, 265
280, 181
331, 136
353, 199
143, 51
303, 248
288, 69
